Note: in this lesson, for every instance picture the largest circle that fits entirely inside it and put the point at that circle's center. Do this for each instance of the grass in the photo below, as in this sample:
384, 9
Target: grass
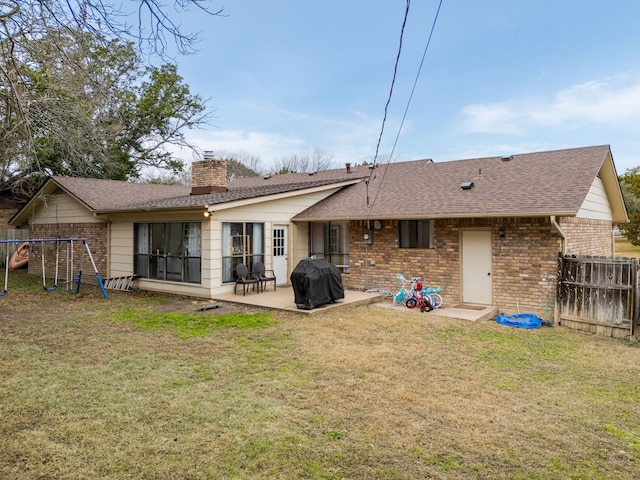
625, 249
142, 386
188, 325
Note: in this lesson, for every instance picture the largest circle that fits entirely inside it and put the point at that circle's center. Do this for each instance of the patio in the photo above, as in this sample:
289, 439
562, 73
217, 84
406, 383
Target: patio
283, 299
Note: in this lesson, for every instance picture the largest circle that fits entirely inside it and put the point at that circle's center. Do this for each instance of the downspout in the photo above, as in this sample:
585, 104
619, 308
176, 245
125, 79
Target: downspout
563, 236
560, 232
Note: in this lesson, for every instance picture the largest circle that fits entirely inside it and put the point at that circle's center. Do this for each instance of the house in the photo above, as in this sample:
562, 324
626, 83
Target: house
488, 230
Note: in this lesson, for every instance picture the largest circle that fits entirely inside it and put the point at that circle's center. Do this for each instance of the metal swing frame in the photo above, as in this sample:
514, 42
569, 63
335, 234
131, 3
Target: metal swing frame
6, 276
70, 241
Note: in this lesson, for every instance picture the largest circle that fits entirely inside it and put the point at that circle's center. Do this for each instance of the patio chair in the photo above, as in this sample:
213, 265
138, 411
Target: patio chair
264, 276
245, 279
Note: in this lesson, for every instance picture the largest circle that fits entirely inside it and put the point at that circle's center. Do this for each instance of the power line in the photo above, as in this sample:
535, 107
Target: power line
406, 110
393, 81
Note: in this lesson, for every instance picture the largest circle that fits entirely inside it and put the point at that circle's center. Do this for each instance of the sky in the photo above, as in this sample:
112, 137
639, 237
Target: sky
499, 77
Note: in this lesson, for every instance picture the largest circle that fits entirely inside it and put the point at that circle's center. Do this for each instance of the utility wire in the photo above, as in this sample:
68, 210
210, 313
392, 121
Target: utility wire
413, 89
393, 81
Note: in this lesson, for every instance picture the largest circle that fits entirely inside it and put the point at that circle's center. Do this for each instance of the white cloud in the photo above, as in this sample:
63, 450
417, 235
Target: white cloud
267, 146
351, 139
613, 100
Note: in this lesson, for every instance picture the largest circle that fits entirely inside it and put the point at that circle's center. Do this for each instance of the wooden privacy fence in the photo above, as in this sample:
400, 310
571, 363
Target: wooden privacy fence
10, 234
598, 294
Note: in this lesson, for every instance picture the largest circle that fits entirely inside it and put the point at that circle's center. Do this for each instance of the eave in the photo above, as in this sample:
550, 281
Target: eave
401, 216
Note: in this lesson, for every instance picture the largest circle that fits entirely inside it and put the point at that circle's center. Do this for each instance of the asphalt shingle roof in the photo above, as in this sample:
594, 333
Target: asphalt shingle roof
101, 195
543, 183
533, 184
110, 195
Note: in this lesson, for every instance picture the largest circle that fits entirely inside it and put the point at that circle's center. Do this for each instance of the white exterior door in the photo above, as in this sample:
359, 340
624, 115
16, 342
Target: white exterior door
280, 253
476, 267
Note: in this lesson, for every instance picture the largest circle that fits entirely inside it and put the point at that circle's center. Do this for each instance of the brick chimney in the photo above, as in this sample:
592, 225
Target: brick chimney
208, 175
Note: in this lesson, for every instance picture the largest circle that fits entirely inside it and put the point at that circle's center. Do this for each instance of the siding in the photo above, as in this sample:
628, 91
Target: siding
596, 204
270, 213
276, 211
61, 208
121, 249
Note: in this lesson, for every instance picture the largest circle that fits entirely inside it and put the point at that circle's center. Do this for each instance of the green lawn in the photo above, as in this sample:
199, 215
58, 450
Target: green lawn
625, 249
146, 387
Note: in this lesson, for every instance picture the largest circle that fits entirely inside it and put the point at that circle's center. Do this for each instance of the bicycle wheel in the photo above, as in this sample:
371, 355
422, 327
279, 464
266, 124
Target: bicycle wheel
436, 300
399, 299
426, 305
383, 291
411, 303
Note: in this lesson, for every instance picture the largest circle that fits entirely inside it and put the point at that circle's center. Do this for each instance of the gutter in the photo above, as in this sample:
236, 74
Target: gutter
563, 236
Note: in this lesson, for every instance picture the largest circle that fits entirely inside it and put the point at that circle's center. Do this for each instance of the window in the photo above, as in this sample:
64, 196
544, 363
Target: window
168, 251
330, 241
241, 243
415, 233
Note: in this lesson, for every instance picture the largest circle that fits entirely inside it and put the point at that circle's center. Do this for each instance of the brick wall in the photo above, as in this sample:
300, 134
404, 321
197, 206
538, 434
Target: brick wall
208, 176
435, 265
588, 237
96, 235
524, 264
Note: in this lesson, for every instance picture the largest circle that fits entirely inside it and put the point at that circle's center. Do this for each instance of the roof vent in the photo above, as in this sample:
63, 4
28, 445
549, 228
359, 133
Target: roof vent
267, 176
312, 173
466, 185
507, 158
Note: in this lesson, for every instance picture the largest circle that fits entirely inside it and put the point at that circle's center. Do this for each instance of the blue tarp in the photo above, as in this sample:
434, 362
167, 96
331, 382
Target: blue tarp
520, 320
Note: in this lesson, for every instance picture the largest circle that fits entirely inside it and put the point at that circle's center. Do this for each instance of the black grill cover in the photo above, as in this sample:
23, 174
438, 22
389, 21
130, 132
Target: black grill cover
316, 282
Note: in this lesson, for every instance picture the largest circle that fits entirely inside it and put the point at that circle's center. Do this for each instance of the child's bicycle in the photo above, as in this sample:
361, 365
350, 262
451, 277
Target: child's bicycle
434, 295
418, 299
404, 293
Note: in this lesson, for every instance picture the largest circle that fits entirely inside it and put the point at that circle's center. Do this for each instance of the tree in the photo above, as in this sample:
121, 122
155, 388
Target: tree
237, 169
148, 24
304, 161
114, 120
630, 186
241, 164
75, 97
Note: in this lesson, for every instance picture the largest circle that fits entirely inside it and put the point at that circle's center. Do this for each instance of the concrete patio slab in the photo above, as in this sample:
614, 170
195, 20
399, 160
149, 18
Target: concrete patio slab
283, 298
462, 311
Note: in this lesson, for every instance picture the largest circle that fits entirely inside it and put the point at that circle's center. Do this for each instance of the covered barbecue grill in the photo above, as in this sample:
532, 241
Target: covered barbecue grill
316, 282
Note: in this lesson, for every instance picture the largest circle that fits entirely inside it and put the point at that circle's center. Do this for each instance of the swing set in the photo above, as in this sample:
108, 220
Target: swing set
68, 243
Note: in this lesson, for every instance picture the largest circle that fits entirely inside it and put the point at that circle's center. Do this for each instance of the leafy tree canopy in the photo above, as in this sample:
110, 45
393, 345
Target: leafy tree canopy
76, 100
112, 121
630, 186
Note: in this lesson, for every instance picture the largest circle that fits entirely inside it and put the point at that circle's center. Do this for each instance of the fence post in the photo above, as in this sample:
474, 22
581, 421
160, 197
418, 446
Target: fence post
635, 317
556, 310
